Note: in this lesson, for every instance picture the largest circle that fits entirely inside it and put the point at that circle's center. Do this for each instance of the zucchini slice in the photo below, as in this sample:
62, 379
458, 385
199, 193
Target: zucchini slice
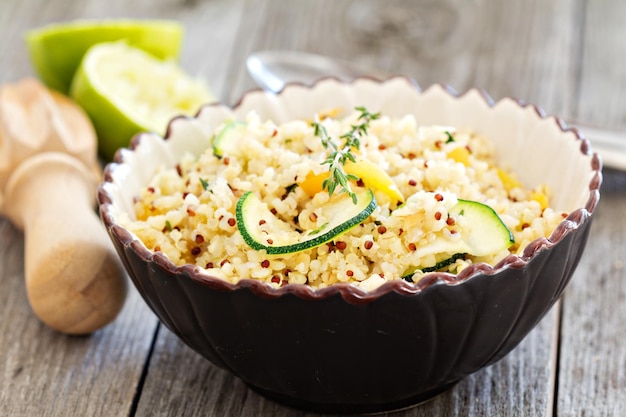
483, 232
262, 230
408, 276
227, 141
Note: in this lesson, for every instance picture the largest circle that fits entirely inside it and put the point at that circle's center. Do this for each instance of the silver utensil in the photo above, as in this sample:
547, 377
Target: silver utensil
271, 70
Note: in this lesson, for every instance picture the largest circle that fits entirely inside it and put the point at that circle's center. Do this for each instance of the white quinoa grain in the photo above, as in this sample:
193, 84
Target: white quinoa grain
200, 199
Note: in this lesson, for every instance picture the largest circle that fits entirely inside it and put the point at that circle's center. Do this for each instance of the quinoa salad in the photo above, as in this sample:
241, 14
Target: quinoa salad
346, 197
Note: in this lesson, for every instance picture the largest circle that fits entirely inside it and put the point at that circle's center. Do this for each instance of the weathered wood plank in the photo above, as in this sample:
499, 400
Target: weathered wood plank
603, 68
592, 378
592, 375
530, 50
44, 372
519, 49
47, 373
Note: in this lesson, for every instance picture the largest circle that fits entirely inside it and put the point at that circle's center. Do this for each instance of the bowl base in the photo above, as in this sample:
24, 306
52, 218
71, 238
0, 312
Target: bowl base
341, 408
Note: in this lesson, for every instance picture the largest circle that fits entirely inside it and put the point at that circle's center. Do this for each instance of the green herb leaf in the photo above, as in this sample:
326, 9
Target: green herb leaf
340, 155
291, 188
319, 229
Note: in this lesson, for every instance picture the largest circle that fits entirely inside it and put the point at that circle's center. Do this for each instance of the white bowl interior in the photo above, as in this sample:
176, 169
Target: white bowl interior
532, 146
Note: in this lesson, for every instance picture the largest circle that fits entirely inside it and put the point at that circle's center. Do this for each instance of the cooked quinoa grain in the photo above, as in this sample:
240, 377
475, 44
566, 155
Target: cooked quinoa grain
188, 212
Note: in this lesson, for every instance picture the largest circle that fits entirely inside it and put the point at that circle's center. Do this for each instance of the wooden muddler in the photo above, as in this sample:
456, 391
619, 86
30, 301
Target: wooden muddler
73, 278
48, 178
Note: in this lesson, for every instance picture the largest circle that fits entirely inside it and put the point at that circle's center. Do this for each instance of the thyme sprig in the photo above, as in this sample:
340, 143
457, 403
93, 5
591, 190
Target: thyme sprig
339, 155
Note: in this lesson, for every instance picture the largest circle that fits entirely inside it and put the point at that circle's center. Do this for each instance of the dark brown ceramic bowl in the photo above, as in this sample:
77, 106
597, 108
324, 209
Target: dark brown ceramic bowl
341, 349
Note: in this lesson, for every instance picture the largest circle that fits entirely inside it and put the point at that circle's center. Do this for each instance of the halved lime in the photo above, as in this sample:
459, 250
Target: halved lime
125, 90
57, 49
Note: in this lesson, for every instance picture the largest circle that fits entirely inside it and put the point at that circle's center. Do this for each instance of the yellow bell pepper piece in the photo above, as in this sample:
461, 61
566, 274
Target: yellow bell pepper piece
372, 175
330, 113
460, 154
312, 183
508, 181
541, 198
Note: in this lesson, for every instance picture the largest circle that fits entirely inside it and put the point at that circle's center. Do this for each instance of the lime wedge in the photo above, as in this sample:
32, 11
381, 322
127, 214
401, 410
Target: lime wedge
56, 50
125, 90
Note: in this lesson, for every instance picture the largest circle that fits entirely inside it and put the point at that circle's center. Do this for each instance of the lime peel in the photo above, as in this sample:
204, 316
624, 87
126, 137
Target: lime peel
56, 50
126, 90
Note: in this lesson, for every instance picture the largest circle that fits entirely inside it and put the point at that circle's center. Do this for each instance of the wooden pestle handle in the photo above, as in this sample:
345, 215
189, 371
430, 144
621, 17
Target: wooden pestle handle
74, 279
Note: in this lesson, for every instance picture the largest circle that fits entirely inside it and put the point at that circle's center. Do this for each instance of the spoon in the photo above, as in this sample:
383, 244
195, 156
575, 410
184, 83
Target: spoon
272, 70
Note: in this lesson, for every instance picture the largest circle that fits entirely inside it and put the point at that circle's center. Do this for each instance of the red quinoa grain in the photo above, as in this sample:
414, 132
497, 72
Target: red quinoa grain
357, 254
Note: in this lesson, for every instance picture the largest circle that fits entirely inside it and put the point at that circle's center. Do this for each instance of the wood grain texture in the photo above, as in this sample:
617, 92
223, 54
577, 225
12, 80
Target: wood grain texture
525, 49
43, 372
602, 71
565, 55
592, 377
47, 373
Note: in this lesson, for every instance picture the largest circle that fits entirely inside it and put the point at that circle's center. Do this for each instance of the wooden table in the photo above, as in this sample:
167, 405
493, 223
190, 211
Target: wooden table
567, 56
